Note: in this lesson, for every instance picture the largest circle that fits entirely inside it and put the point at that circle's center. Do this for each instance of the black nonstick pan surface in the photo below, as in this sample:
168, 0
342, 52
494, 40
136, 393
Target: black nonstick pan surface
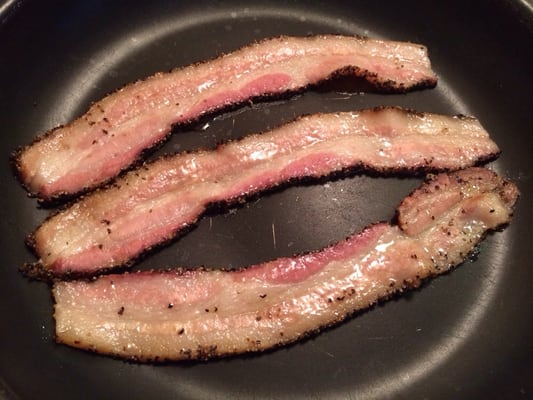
465, 335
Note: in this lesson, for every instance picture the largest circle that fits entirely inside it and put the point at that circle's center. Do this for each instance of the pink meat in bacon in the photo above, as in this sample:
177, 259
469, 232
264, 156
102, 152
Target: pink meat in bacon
154, 203
198, 314
113, 133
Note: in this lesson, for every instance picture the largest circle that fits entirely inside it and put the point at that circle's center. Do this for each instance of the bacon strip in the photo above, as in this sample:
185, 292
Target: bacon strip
150, 205
116, 130
199, 314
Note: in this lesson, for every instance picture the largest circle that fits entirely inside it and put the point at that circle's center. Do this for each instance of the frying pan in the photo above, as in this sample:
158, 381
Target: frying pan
467, 334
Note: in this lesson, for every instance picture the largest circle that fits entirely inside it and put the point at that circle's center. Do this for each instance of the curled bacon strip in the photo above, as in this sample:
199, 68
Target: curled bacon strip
198, 314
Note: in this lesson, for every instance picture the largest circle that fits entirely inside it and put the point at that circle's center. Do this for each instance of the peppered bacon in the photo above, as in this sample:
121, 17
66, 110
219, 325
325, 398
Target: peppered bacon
199, 314
152, 204
117, 129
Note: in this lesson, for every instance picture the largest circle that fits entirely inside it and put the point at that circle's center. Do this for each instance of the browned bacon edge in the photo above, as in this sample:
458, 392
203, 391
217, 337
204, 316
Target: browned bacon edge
301, 165
374, 81
285, 300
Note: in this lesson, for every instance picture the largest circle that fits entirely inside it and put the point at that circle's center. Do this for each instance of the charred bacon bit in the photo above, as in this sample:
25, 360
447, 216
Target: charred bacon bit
116, 130
281, 301
152, 204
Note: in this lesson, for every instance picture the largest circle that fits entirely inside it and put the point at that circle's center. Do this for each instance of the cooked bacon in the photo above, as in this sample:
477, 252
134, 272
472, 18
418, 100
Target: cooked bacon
199, 314
116, 130
152, 204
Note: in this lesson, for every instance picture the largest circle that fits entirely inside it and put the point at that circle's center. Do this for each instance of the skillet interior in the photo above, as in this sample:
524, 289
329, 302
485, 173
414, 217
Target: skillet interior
464, 335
